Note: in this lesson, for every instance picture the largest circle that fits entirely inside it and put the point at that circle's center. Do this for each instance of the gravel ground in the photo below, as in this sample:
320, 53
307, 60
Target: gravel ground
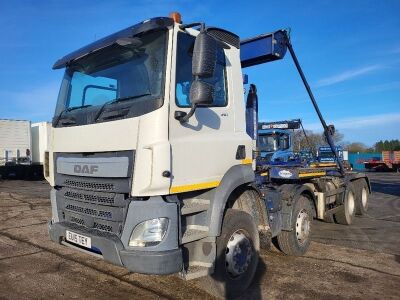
361, 261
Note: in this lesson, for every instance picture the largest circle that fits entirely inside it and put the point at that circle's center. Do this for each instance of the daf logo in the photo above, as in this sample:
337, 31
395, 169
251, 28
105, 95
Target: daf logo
86, 169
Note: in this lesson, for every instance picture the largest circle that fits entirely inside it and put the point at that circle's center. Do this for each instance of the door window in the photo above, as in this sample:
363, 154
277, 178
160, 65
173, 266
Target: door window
184, 73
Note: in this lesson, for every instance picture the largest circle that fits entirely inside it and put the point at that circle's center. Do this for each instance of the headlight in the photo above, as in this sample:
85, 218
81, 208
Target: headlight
149, 233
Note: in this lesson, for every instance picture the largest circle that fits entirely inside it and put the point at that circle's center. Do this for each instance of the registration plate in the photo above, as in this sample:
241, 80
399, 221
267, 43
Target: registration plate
78, 239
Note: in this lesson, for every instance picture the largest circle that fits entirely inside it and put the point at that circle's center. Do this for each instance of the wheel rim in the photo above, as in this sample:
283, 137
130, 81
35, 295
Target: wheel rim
364, 197
238, 254
350, 203
302, 226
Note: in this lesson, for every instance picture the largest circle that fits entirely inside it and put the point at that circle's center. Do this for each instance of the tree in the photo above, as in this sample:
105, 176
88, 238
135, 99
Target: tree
356, 147
379, 146
392, 145
337, 137
312, 143
386, 145
315, 140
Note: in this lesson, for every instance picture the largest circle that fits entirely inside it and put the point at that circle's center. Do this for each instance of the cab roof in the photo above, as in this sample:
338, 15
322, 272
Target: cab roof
148, 25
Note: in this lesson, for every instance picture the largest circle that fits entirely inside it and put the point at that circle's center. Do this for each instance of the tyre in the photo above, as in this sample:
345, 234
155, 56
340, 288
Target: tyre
237, 256
329, 219
297, 241
362, 197
247, 202
346, 215
330, 186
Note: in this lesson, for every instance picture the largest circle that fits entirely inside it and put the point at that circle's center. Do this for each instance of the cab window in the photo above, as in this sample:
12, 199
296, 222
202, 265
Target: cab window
184, 73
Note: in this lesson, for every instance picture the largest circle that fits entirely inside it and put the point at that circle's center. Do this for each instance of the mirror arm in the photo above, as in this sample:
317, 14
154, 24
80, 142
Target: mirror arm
184, 117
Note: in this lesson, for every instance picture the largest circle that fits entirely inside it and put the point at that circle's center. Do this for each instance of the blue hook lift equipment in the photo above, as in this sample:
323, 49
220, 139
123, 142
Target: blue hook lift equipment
287, 124
270, 47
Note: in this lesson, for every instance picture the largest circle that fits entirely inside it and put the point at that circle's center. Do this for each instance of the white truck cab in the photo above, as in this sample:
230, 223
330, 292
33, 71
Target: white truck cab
121, 162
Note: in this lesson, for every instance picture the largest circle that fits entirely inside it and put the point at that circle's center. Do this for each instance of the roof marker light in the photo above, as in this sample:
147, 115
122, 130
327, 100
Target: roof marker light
176, 17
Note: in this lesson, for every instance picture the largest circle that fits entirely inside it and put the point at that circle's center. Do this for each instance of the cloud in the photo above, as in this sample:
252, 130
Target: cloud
360, 122
347, 75
394, 85
364, 90
367, 129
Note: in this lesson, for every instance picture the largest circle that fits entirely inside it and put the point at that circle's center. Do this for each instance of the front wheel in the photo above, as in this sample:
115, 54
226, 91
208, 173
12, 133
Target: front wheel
237, 256
297, 241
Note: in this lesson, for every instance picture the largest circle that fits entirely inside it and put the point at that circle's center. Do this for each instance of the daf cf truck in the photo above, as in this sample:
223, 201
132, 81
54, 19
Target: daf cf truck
152, 157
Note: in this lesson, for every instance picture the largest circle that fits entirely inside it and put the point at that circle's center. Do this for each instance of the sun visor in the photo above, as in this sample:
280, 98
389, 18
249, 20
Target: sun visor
152, 24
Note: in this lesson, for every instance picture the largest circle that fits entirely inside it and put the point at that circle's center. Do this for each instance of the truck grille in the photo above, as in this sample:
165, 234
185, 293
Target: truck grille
102, 227
77, 220
78, 195
103, 211
89, 211
83, 184
109, 199
99, 203
82, 208
107, 226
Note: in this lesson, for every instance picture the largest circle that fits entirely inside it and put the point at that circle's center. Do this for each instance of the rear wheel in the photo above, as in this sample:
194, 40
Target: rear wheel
329, 219
237, 256
346, 215
297, 241
330, 186
362, 197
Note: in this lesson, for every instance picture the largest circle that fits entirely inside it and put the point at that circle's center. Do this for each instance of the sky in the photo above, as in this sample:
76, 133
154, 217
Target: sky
349, 51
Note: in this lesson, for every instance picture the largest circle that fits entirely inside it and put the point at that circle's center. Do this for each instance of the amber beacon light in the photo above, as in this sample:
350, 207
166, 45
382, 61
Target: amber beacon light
176, 17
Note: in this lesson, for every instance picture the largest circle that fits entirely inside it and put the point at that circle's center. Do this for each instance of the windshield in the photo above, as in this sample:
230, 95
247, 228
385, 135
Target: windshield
133, 72
267, 143
273, 142
330, 154
306, 154
326, 155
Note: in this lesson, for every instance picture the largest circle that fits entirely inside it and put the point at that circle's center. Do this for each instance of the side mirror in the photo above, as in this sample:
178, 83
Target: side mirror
203, 65
201, 93
204, 55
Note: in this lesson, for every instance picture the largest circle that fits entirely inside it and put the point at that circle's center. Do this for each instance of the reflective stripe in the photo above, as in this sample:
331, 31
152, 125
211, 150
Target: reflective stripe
193, 187
312, 174
316, 165
246, 161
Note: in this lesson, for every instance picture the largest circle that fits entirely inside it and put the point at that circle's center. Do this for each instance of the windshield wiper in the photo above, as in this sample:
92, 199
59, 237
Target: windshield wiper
117, 101
68, 110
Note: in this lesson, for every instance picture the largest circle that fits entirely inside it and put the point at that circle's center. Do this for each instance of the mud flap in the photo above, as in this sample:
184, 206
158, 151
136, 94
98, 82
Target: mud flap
273, 203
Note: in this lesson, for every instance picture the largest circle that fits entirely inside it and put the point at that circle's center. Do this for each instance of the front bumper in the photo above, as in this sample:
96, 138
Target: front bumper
110, 247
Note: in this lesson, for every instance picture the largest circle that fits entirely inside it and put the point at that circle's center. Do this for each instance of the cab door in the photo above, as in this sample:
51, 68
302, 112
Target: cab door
204, 148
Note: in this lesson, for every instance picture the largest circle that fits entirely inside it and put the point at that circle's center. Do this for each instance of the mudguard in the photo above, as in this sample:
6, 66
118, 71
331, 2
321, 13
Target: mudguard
236, 176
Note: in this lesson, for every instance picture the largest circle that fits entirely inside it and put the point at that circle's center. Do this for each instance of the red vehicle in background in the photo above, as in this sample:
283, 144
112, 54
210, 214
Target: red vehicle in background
390, 162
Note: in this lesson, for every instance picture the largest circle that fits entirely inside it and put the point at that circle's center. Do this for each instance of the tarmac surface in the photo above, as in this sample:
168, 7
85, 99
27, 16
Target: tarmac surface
361, 261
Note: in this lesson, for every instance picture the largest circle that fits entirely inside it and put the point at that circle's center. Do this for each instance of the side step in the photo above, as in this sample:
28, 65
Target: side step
193, 205
193, 233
